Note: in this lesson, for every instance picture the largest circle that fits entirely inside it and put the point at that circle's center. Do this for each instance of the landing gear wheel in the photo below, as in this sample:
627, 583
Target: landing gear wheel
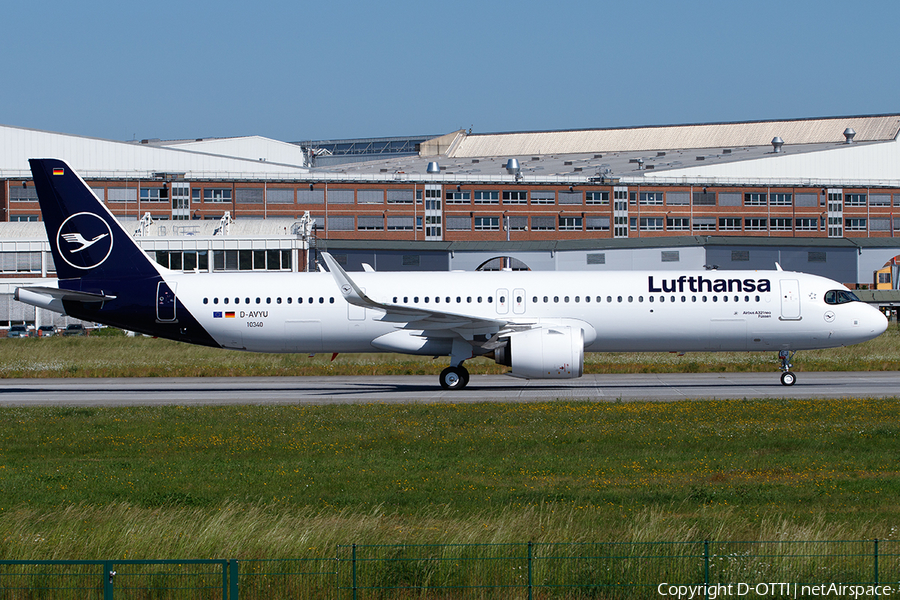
454, 378
788, 378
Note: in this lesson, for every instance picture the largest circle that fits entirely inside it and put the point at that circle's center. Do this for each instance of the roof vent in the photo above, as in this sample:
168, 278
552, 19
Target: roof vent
433, 167
512, 167
777, 143
849, 134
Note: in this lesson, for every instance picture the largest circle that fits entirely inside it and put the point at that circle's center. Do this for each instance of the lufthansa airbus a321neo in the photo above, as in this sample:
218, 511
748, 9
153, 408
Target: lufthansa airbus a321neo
539, 324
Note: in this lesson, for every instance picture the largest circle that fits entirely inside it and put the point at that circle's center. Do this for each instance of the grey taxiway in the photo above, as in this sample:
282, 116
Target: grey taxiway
398, 389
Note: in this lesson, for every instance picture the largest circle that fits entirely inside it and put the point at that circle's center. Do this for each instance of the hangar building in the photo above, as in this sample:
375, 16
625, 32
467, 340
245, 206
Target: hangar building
817, 195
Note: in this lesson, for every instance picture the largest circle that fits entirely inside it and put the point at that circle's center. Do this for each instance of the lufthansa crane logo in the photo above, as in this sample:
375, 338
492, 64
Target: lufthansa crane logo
84, 241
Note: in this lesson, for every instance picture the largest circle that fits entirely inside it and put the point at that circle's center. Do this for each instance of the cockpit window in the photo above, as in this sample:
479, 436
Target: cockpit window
840, 297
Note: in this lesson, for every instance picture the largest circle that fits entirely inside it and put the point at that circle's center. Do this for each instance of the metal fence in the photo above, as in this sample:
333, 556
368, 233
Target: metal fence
701, 570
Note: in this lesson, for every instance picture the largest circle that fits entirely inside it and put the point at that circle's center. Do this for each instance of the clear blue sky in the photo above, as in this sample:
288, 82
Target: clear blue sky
296, 70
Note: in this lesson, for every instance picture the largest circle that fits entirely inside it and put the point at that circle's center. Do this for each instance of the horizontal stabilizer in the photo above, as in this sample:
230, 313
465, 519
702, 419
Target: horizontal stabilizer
61, 294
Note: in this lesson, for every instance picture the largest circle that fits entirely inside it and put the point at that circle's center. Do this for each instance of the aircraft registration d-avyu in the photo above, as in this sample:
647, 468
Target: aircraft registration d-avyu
539, 324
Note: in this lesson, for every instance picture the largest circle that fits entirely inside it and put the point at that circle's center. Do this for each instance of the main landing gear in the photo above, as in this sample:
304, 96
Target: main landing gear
787, 376
454, 378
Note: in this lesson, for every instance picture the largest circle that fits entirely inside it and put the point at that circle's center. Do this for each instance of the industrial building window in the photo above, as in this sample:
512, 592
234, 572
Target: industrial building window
596, 223
651, 223
188, 260
755, 199
213, 194
246, 195
313, 196
459, 223
596, 198
159, 195
459, 197
487, 197
370, 223
487, 223
20, 194
651, 198
781, 199
340, 196
517, 223
879, 199
704, 223
806, 200
855, 224
432, 226
729, 224
780, 224
340, 223
24, 218
400, 197
370, 196
598, 258
880, 224
571, 223
755, 224
20, 262
704, 198
854, 199
740, 256
280, 196
729, 199
571, 198
807, 224
816, 257
515, 197
678, 223
670, 256
543, 197
401, 223
127, 194
543, 223
678, 198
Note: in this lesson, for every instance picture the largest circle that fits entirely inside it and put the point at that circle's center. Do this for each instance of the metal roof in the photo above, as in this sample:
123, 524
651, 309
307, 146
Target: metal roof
670, 137
95, 158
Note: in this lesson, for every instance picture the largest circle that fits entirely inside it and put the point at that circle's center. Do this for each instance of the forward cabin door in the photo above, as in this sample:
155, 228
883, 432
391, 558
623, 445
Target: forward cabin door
790, 300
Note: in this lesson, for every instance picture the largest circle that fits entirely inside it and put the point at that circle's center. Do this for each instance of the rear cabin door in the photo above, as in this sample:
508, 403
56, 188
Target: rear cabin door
165, 301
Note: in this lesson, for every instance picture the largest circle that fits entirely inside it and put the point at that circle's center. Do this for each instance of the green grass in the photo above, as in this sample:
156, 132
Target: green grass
114, 355
296, 481
259, 481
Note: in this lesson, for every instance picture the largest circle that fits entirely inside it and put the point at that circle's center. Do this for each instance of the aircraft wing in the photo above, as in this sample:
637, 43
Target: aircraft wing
432, 322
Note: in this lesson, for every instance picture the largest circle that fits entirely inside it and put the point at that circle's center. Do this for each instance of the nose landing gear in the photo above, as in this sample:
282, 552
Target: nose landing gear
787, 376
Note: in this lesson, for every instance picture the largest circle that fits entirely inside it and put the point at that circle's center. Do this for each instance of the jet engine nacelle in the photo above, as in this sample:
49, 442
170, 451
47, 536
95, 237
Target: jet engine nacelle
544, 353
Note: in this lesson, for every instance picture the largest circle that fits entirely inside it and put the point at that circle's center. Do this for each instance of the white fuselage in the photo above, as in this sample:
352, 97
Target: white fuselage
619, 311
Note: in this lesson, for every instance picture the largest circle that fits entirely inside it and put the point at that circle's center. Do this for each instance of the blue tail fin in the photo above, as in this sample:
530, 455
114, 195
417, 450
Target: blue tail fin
111, 279
86, 240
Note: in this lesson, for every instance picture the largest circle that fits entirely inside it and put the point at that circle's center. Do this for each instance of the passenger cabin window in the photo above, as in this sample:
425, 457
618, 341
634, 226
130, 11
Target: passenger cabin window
840, 297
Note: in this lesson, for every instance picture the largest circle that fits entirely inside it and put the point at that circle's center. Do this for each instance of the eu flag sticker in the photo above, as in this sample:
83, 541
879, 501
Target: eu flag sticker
217, 315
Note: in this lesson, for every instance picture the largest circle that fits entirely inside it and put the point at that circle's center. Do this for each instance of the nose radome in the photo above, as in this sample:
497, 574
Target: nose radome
880, 322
